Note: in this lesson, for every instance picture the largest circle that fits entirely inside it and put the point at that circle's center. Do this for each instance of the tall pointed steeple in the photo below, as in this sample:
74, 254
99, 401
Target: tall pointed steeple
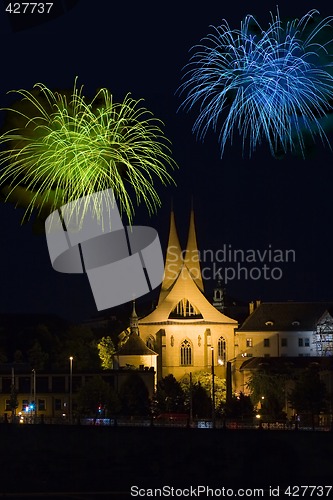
192, 256
134, 321
173, 259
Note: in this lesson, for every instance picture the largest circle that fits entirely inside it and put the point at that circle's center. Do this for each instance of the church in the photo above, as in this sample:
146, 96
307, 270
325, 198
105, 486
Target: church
186, 331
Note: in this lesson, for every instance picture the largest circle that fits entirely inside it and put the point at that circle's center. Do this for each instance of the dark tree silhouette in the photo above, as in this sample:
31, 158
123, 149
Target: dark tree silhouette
97, 398
201, 402
169, 396
309, 395
239, 407
134, 396
268, 386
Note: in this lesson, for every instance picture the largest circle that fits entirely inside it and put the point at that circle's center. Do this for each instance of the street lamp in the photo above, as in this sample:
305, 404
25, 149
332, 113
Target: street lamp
70, 389
213, 389
34, 394
191, 399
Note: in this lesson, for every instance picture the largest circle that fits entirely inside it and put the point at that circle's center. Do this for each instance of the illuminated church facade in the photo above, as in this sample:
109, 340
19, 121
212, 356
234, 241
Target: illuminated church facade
186, 331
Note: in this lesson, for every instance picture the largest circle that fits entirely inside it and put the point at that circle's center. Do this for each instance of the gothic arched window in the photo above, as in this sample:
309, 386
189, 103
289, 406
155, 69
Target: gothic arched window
222, 350
185, 353
184, 309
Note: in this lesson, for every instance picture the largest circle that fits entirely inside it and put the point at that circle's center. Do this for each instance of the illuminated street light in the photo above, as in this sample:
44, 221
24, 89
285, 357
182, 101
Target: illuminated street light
70, 389
213, 389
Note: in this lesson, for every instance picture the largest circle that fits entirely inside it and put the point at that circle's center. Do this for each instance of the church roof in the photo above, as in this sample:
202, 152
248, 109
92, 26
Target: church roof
135, 346
186, 287
285, 316
183, 282
290, 362
191, 259
173, 259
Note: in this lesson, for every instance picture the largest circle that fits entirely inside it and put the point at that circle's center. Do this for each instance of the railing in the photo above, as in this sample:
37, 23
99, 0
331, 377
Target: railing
227, 424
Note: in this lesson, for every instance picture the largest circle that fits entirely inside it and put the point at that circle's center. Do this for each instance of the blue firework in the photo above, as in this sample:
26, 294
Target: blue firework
275, 85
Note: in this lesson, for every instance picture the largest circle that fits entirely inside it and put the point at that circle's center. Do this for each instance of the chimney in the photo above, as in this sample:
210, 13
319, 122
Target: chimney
251, 307
258, 302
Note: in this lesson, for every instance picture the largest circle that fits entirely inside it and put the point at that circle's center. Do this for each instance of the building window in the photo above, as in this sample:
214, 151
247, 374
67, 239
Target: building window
8, 406
41, 405
249, 342
42, 384
184, 309
222, 349
306, 342
300, 342
25, 405
6, 385
185, 353
284, 342
24, 385
266, 342
247, 355
57, 404
58, 384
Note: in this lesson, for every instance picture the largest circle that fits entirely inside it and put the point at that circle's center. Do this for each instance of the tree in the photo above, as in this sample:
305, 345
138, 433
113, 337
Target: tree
3, 356
309, 394
134, 396
268, 387
37, 357
106, 351
97, 398
39, 345
78, 341
18, 356
239, 407
204, 378
201, 402
169, 396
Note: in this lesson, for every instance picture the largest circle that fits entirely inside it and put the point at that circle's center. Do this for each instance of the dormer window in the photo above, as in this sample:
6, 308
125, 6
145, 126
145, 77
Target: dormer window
295, 323
184, 309
269, 323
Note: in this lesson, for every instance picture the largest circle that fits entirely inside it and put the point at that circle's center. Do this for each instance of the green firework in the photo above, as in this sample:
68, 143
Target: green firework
59, 147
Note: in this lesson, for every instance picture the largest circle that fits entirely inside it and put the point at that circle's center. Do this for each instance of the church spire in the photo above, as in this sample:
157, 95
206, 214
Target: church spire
173, 260
192, 257
134, 321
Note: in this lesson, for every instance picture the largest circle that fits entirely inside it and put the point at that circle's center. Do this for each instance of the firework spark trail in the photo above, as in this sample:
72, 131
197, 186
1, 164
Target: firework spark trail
66, 148
266, 84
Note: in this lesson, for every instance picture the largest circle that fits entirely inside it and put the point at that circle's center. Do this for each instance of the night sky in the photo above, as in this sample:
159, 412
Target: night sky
255, 203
